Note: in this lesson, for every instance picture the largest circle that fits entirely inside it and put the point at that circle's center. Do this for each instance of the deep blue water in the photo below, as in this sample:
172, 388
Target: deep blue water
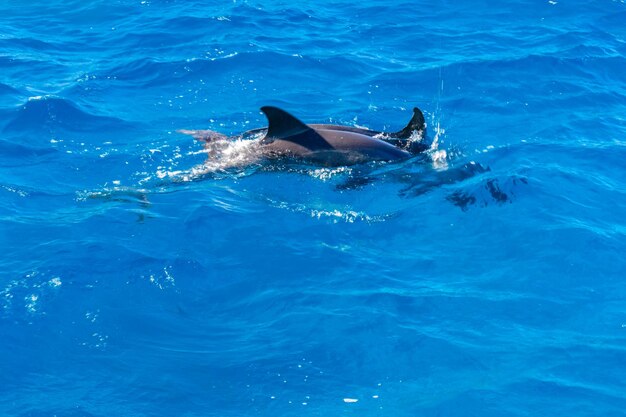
137, 279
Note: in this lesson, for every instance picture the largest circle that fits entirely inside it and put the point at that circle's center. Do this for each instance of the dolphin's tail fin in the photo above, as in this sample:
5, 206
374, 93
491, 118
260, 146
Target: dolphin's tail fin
417, 122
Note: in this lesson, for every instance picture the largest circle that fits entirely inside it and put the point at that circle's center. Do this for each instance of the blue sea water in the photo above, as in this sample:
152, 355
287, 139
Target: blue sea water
137, 279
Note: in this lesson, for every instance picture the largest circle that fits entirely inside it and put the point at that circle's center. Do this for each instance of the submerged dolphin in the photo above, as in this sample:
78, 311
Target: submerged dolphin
330, 145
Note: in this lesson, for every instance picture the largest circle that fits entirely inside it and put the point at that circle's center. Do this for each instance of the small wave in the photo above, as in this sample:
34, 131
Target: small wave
48, 113
150, 72
335, 215
28, 43
180, 30
20, 153
7, 90
9, 97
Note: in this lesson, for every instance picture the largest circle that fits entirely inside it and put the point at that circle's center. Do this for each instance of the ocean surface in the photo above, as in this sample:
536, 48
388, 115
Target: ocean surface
139, 277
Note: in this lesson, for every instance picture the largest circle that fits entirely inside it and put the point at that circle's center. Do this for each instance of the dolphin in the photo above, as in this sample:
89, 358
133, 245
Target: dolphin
327, 144
417, 125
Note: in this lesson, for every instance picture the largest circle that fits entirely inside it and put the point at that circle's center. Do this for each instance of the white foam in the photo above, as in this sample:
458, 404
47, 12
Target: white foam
325, 174
55, 282
438, 156
31, 302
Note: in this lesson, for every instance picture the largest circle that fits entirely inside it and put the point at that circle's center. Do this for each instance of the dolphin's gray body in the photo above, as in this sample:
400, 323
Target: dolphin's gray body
330, 145
325, 144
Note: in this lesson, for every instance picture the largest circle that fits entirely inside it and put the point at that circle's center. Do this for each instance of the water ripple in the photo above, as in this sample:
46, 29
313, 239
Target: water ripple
47, 113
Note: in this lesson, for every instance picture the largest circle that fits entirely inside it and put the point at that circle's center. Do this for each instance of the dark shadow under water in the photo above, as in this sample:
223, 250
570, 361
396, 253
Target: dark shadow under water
485, 190
465, 184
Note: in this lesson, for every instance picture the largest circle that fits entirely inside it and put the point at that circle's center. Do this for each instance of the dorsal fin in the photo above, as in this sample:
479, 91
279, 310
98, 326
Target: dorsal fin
417, 122
284, 126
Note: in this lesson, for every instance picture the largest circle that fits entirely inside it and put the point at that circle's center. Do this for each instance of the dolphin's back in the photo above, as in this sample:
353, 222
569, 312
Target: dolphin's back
371, 147
288, 136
